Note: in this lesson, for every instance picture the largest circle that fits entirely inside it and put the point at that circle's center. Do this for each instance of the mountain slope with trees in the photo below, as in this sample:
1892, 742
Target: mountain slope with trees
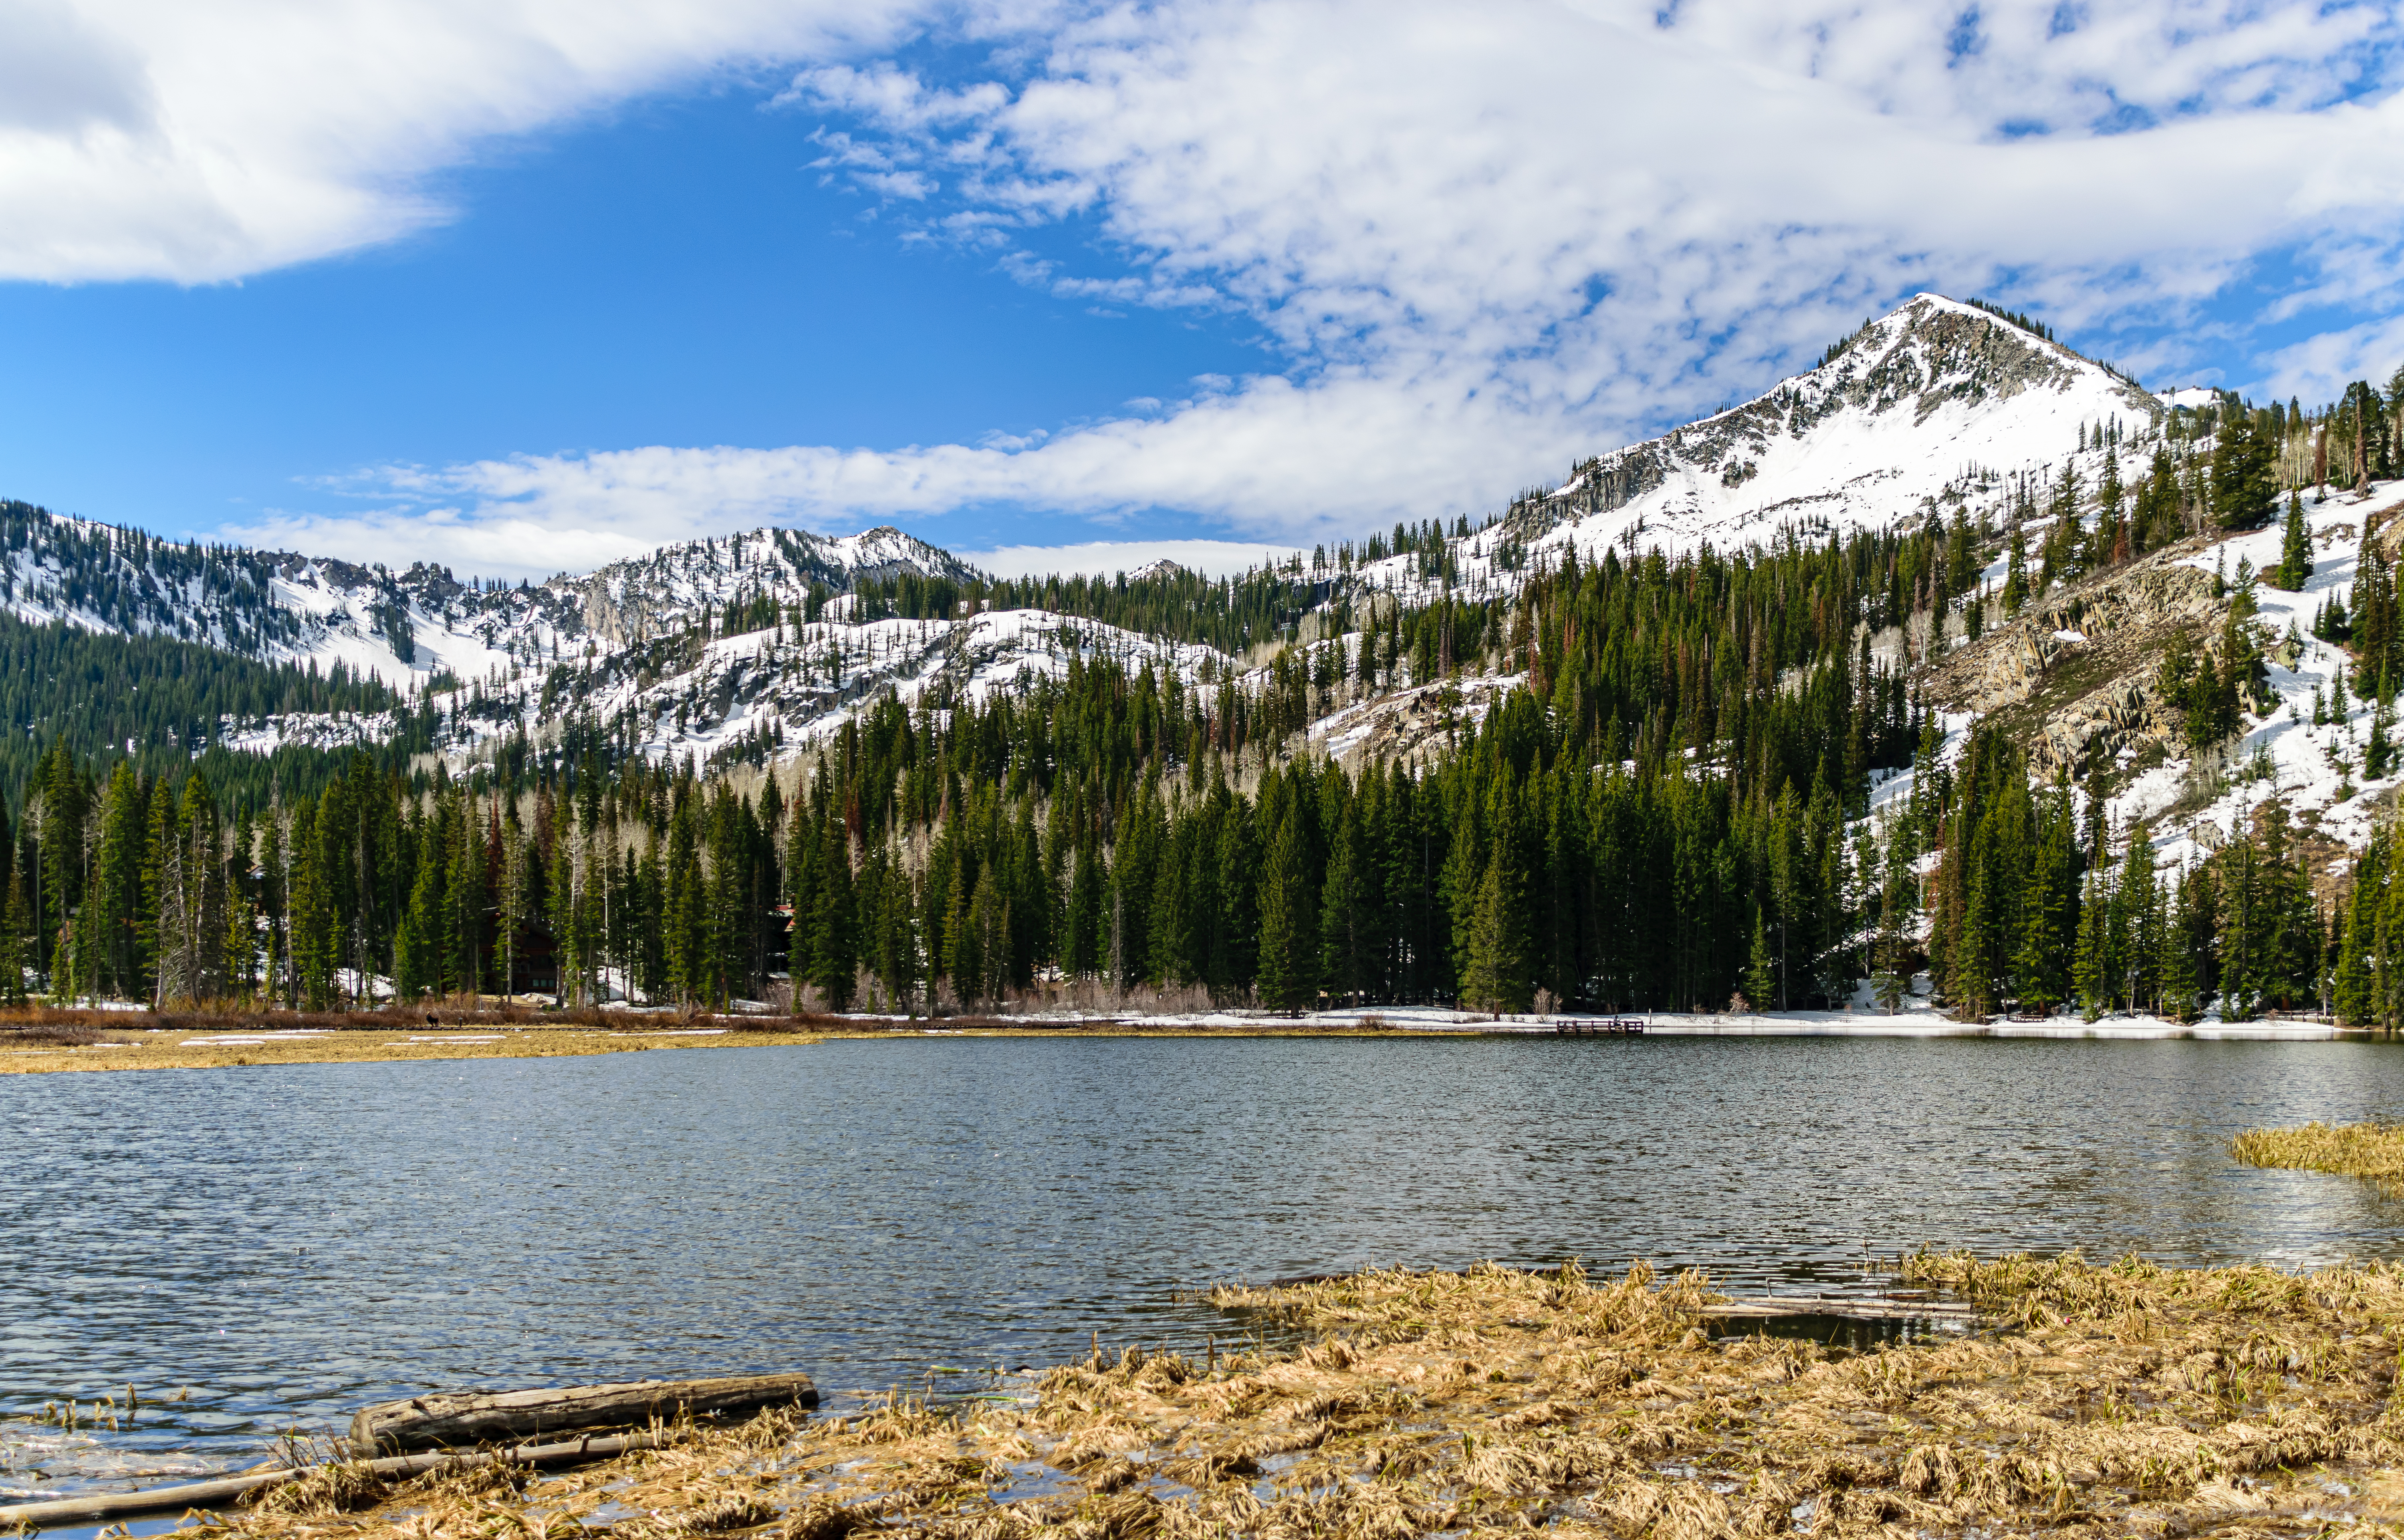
2035, 728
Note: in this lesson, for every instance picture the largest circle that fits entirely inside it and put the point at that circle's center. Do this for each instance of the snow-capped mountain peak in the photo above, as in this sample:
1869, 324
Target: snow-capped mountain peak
1913, 404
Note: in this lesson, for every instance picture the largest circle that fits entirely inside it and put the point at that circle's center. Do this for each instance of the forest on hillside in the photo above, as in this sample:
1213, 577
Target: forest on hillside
1667, 811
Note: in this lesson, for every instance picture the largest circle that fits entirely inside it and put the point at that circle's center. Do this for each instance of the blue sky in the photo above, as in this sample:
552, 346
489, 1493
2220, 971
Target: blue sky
672, 274
525, 287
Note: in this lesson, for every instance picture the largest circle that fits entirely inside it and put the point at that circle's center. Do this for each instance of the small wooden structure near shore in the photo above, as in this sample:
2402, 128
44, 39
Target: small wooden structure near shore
1600, 1027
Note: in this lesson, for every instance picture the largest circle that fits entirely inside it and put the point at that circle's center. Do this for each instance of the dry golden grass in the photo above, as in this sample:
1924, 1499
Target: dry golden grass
2372, 1150
2124, 1400
133, 1047
129, 1040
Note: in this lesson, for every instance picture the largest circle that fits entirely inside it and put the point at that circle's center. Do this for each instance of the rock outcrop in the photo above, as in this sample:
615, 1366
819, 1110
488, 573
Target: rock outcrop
2079, 670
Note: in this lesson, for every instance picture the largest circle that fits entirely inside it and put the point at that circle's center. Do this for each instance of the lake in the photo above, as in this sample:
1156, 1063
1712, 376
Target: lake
284, 1245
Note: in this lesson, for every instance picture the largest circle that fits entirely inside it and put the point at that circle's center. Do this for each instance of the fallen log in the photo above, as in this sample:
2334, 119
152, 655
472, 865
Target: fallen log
467, 1419
101, 1506
1848, 1307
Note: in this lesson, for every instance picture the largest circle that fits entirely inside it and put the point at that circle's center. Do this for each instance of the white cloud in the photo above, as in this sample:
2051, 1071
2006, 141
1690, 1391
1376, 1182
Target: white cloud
1486, 238
2319, 369
196, 143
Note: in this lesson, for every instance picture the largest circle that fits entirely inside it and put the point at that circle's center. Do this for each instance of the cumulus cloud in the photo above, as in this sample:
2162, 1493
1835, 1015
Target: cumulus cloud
156, 139
1483, 239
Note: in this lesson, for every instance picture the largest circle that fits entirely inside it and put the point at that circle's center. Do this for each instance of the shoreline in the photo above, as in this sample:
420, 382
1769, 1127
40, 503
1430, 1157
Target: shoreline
375, 1038
2085, 1400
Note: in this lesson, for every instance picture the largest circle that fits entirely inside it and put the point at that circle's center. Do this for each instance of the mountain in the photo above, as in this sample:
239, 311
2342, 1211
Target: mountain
1958, 651
758, 642
1919, 403
282, 605
1928, 406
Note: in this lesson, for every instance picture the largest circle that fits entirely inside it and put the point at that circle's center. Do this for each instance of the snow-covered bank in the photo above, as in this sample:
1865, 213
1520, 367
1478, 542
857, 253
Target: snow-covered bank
1928, 1024
1439, 1019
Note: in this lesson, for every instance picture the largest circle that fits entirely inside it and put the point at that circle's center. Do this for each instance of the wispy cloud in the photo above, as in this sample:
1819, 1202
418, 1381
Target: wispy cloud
1479, 240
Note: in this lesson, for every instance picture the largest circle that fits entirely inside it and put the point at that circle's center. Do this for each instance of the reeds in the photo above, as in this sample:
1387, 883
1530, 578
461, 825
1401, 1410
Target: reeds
2122, 1399
2372, 1150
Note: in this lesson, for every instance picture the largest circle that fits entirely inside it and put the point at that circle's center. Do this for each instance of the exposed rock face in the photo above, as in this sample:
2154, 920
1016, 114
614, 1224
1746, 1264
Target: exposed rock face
2079, 671
1409, 723
631, 601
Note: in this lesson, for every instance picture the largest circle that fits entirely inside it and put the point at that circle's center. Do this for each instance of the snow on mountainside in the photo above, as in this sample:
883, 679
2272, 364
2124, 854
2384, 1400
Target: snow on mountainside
1926, 402
746, 645
407, 626
750, 695
1916, 401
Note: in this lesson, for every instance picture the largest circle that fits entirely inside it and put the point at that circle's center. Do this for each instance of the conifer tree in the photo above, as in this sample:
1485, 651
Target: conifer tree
2176, 970
1343, 916
13, 927
963, 939
1237, 961
416, 967
685, 904
2243, 491
2295, 566
1761, 968
314, 939
1289, 946
2092, 973
834, 959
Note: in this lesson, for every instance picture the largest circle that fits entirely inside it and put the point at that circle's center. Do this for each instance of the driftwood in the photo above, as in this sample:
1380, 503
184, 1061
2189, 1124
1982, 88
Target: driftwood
1848, 1307
99, 1506
467, 1419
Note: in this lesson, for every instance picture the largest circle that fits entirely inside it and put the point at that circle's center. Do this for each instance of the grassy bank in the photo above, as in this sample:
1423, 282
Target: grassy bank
2128, 1399
93, 1040
2372, 1150
57, 1040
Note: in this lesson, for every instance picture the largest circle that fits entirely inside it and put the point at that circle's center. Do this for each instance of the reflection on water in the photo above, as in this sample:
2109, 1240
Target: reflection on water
286, 1244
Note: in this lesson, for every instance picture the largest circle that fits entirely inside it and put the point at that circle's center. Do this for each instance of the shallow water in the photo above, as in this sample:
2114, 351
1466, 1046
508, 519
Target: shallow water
286, 1244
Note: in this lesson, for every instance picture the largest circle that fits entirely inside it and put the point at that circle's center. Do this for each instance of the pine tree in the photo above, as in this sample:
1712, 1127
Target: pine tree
2037, 967
463, 901
2176, 969
1081, 955
13, 928
2243, 490
1289, 928
1344, 961
1761, 968
1237, 962
2295, 566
416, 967
834, 928
315, 939
1497, 978
2112, 542
963, 939
2351, 992
686, 906
2093, 971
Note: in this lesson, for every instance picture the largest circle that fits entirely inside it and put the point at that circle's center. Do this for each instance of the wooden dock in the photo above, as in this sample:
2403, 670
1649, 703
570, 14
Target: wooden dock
1601, 1026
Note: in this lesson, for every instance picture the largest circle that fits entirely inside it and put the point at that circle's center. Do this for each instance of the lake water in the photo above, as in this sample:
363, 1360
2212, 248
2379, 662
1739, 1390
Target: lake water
282, 1245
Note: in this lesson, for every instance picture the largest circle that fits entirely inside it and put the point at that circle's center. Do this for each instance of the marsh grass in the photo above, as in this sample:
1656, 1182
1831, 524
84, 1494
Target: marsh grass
2371, 1150
2126, 1399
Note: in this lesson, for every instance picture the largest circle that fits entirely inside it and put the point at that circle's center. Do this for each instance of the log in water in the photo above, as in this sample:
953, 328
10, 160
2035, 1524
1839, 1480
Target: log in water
210, 1494
467, 1419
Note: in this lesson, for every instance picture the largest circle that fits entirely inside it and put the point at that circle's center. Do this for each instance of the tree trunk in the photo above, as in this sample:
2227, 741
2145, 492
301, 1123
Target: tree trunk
466, 1419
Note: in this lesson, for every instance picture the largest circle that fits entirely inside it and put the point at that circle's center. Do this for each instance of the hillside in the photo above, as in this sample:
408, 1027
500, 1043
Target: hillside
1932, 408
1930, 660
